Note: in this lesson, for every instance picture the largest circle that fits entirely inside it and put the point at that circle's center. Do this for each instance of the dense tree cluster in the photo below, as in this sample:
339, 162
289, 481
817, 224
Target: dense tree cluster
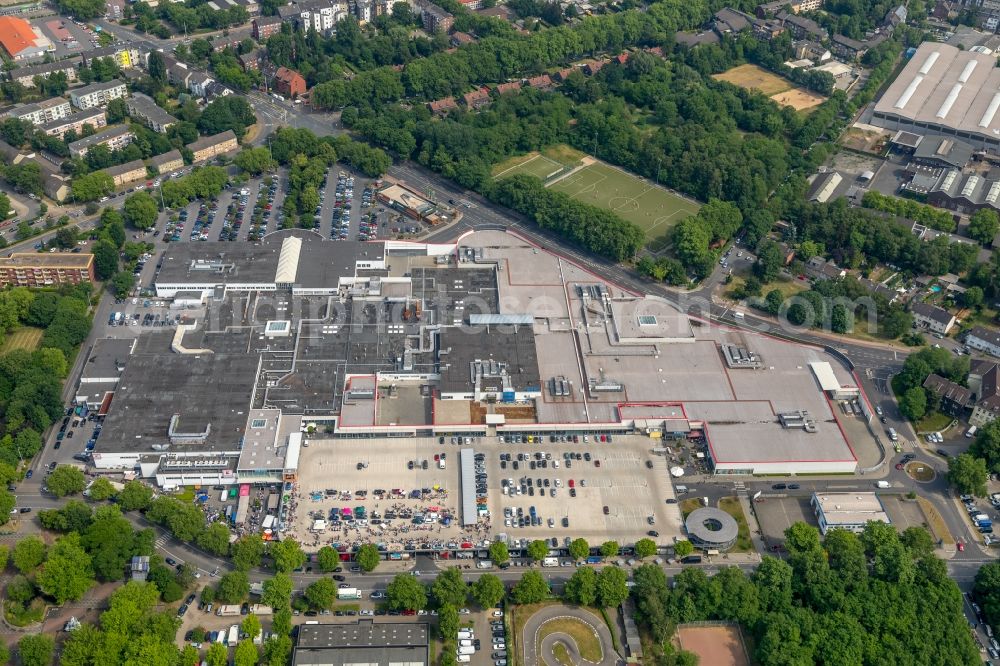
499, 58
839, 306
935, 218
202, 183
857, 238
914, 400
597, 230
231, 112
987, 446
850, 599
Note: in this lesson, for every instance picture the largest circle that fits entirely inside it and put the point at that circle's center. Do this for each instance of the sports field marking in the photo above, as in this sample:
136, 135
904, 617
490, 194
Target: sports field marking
539, 166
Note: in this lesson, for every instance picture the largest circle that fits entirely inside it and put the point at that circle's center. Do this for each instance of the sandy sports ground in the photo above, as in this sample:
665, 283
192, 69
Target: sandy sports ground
799, 99
718, 646
753, 77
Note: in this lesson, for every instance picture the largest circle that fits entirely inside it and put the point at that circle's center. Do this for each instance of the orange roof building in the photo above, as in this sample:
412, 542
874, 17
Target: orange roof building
20, 40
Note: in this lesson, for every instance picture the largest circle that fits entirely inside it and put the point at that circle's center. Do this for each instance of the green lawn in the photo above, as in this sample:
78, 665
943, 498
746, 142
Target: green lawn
536, 165
933, 422
731, 505
586, 640
653, 209
26, 337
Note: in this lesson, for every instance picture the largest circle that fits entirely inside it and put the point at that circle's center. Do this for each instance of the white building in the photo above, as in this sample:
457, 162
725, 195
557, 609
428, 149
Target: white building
933, 318
847, 511
42, 112
984, 339
97, 94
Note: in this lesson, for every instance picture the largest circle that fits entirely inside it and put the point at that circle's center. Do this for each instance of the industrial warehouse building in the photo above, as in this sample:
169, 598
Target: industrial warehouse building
399, 339
944, 90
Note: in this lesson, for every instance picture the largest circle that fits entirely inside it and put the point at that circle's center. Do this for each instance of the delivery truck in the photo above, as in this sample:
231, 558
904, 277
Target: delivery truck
261, 610
348, 593
234, 635
550, 562
228, 611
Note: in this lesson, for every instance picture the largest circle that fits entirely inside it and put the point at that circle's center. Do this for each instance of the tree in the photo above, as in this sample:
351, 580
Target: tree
610, 548
320, 594
488, 591
499, 553
251, 626
611, 587
217, 655
328, 558
277, 650
117, 111
984, 225
101, 489
246, 654
287, 555
367, 557
405, 592
277, 591
282, 623
254, 161
7, 504
233, 588
157, 67
538, 550
913, 405
770, 260
105, 259
968, 474
92, 186
246, 552
65, 237
66, 480
683, 548
140, 211
135, 496
28, 554
449, 588
448, 622
36, 650
973, 297
227, 113
579, 549
581, 588
67, 573
645, 548
214, 539
531, 589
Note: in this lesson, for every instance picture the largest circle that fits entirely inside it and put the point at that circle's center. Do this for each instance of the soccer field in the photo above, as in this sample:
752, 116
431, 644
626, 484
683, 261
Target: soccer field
653, 209
539, 166
25, 337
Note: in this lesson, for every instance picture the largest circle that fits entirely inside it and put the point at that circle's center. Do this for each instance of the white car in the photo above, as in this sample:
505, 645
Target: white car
499, 646
464, 611
497, 613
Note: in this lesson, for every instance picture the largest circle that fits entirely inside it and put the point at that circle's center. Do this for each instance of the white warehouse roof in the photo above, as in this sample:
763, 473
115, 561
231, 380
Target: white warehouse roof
946, 89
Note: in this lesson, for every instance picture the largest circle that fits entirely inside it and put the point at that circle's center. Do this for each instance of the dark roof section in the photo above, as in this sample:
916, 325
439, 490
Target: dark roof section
932, 312
513, 346
948, 390
367, 642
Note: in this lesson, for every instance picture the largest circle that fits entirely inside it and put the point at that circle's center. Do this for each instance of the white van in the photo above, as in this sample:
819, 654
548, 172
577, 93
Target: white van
881, 484
463, 658
465, 643
971, 432
466, 649
465, 634
892, 435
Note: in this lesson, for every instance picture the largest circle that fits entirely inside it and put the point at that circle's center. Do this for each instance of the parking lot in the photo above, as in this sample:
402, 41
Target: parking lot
67, 36
620, 492
776, 514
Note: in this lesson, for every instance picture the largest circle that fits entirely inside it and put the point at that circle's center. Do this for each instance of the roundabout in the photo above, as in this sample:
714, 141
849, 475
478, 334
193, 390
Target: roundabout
567, 636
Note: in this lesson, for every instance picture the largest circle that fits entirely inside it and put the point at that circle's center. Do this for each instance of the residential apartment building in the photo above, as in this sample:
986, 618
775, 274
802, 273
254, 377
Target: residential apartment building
289, 83
984, 339
123, 174
167, 162
435, 18
31, 269
252, 6
984, 383
954, 397
318, 15
266, 26
114, 138
198, 83
127, 56
933, 318
794, 6
96, 118
98, 94
26, 75
143, 108
803, 28
208, 147
42, 112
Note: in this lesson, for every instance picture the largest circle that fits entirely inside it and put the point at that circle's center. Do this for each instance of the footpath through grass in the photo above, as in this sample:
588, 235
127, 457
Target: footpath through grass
732, 506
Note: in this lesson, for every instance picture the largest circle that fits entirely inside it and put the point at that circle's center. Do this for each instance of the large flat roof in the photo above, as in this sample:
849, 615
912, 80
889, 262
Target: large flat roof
47, 260
367, 642
943, 86
106, 357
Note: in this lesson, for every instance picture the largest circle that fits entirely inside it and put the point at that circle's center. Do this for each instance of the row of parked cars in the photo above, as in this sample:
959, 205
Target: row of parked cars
340, 221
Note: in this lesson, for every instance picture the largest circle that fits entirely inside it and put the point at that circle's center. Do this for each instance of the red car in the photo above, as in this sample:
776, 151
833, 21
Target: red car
572, 483
899, 465
961, 546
